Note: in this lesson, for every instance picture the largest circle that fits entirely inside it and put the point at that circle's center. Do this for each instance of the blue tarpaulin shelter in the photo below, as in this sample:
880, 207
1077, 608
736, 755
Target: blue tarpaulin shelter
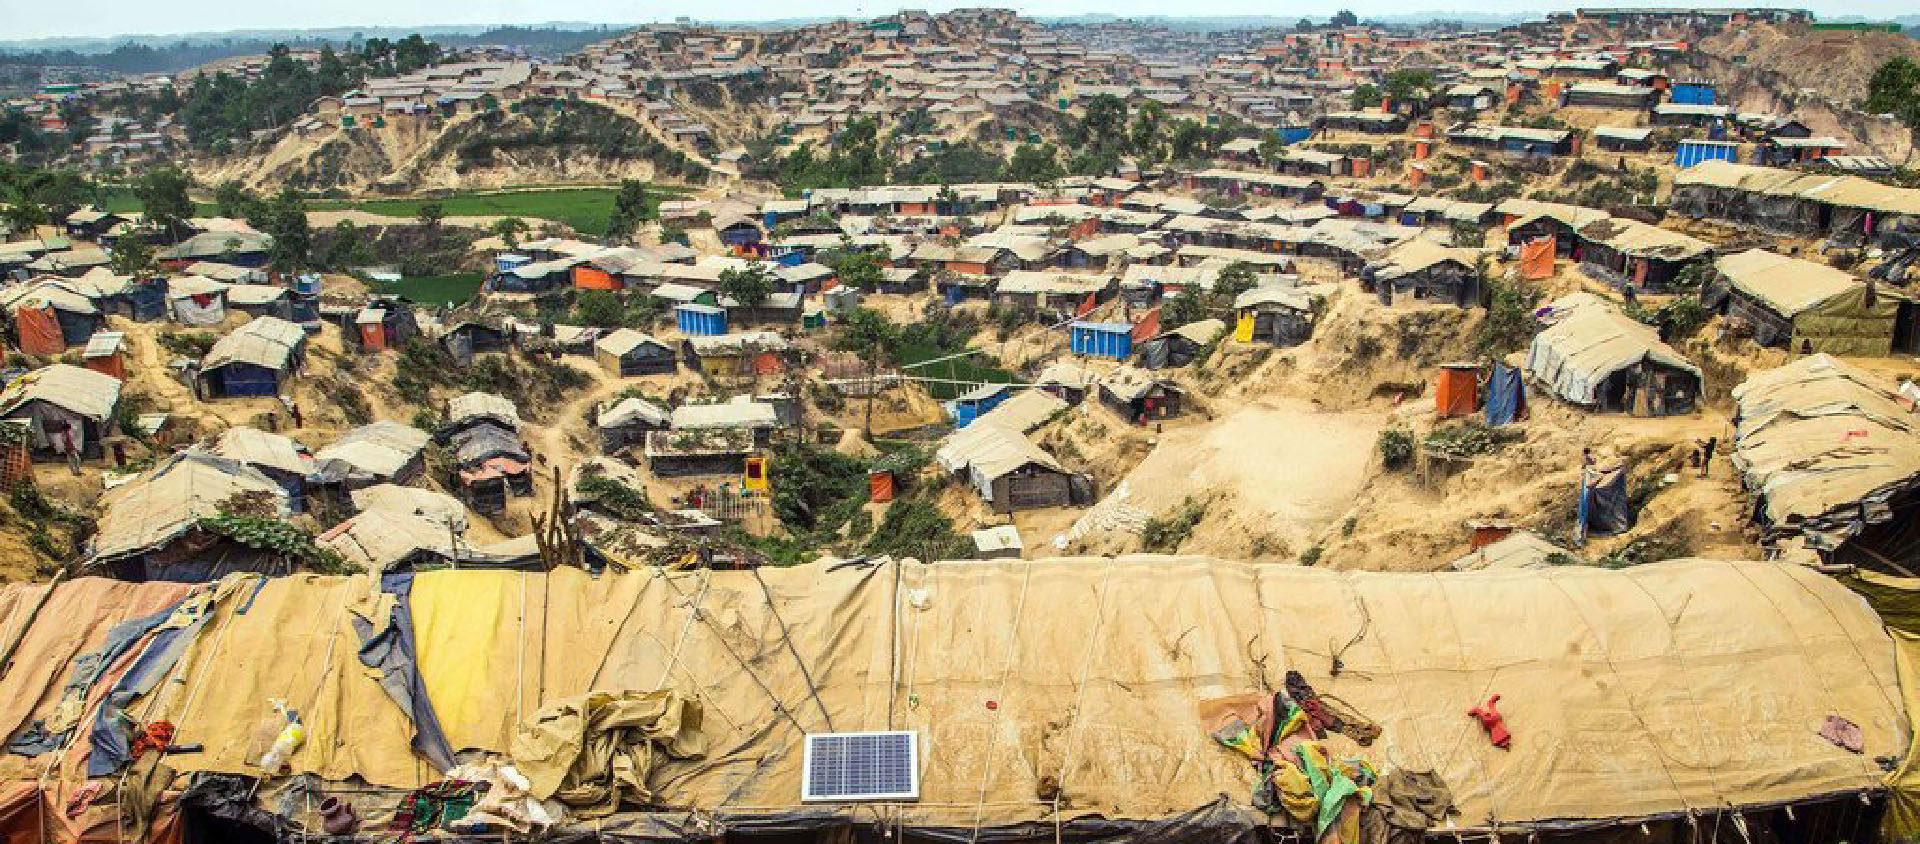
1506, 396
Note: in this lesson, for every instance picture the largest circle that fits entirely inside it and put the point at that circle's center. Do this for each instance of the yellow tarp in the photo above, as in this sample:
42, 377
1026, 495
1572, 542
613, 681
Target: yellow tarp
1656, 689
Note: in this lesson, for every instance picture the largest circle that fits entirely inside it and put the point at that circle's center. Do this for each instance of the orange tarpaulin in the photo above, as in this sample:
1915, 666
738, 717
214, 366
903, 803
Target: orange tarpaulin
589, 278
880, 487
1536, 258
114, 365
39, 330
767, 363
1148, 326
373, 336
1458, 391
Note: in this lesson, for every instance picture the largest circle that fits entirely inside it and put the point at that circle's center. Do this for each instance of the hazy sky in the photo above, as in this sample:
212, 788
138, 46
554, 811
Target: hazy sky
23, 19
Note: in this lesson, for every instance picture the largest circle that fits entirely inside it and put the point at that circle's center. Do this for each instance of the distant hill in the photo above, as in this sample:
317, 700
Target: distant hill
173, 53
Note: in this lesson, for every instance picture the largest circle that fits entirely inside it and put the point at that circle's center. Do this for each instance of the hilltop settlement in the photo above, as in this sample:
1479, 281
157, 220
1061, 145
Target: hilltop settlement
959, 427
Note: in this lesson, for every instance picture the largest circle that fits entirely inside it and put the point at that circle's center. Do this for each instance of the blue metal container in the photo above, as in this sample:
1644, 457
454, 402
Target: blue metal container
700, 320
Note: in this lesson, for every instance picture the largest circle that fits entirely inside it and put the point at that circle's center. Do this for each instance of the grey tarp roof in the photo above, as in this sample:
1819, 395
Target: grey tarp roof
255, 447
474, 405
1575, 355
633, 410
380, 449
164, 502
264, 341
82, 391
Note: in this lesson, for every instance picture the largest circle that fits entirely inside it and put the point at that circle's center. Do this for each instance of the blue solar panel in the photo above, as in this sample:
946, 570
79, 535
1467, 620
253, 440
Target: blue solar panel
861, 766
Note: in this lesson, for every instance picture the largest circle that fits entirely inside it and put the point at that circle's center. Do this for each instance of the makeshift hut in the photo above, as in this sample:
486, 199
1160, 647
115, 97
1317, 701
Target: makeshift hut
1807, 306
1008, 470
627, 421
1596, 357
743, 356
473, 409
1421, 270
377, 452
385, 323
1754, 660
150, 527
67, 409
1278, 314
971, 404
629, 353
1629, 252
277, 456
254, 360
465, 337
196, 301
106, 353
1181, 346
1139, 396
1832, 459
1067, 380
437, 507
51, 316
260, 300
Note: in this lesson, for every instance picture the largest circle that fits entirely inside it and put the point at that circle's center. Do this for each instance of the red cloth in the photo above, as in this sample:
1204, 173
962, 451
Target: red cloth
158, 735
1493, 722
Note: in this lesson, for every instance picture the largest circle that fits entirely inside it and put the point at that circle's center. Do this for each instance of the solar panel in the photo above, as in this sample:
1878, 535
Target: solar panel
862, 766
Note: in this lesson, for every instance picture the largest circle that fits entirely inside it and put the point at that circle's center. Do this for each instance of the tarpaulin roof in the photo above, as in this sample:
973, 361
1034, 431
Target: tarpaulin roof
266, 341
625, 340
1631, 237
741, 412
79, 390
1847, 191
255, 447
633, 410
1649, 691
1419, 254
61, 295
1818, 439
991, 451
1784, 284
477, 405
165, 501
380, 449
1577, 354
438, 507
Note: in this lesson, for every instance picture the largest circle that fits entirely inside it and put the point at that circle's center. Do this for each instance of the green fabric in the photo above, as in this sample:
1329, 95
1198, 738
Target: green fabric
1330, 786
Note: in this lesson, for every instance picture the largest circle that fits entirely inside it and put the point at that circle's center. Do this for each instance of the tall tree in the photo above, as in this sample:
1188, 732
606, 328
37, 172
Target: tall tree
162, 192
868, 334
631, 207
1894, 89
750, 285
292, 236
132, 256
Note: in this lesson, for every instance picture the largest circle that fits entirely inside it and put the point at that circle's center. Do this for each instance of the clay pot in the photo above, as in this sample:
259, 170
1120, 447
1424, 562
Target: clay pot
337, 817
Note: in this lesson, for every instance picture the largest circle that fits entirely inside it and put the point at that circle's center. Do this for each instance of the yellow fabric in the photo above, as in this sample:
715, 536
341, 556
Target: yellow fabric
1243, 328
596, 751
1902, 820
294, 643
1295, 792
481, 651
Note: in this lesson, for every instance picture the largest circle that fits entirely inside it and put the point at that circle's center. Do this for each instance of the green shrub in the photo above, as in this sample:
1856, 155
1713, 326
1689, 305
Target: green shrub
1396, 448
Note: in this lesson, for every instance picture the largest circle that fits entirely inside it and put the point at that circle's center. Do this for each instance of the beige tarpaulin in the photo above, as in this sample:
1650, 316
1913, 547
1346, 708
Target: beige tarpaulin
596, 751
1658, 689
1902, 822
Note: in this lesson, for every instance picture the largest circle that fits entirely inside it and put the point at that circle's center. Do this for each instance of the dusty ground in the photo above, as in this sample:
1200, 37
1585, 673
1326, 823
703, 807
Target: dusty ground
1269, 475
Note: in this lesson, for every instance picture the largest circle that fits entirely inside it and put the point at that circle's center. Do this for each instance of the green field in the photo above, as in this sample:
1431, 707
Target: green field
958, 369
449, 289
585, 210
